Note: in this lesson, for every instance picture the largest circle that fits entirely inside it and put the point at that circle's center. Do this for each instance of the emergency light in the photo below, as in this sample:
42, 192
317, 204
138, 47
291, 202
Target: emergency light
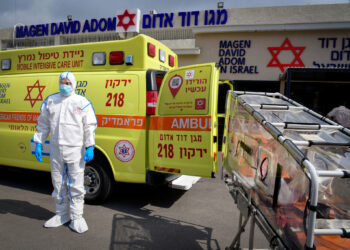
151, 49
161, 55
129, 60
99, 58
171, 61
116, 57
6, 64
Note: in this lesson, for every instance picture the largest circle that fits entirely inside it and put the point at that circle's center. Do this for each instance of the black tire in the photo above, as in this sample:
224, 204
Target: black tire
98, 181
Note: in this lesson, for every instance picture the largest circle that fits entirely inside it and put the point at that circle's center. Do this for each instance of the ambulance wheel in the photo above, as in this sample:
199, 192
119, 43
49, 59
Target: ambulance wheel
97, 181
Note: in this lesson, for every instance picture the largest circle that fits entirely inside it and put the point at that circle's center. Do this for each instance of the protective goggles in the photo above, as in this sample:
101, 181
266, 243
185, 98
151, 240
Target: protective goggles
65, 82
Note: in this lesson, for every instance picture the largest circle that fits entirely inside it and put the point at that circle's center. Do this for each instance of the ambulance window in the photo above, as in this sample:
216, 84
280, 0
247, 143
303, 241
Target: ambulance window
154, 79
185, 91
159, 80
224, 87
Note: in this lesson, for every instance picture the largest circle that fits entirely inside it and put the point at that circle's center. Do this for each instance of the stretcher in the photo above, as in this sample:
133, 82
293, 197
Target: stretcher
288, 170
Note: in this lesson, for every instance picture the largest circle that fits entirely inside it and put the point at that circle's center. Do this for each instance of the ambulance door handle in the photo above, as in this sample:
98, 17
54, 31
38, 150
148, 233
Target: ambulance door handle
215, 138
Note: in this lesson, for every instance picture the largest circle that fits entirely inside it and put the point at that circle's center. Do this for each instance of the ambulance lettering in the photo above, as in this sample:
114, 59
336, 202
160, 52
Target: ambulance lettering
3, 90
169, 137
192, 152
166, 137
81, 88
191, 123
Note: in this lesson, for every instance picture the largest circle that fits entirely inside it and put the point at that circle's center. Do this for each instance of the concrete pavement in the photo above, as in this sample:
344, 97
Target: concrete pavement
136, 217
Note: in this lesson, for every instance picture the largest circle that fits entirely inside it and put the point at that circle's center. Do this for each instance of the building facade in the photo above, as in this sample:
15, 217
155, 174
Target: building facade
253, 46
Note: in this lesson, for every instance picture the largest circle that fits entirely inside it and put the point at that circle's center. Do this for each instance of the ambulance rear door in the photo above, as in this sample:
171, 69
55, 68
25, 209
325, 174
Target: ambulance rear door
183, 135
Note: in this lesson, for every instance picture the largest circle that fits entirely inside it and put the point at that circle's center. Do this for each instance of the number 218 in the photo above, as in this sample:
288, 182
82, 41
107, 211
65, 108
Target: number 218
118, 99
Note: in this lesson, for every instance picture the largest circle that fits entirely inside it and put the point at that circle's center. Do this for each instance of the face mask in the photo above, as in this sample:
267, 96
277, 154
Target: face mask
65, 90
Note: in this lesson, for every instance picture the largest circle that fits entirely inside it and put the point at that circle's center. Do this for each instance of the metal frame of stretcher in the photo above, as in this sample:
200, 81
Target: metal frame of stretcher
248, 209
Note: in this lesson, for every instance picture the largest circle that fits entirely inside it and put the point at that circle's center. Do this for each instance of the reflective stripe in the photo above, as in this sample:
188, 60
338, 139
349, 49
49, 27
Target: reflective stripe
62, 185
152, 104
69, 183
167, 170
86, 106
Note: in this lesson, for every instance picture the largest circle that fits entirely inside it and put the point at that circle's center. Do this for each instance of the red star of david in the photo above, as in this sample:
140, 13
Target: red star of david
121, 20
124, 151
286, 45
39, 96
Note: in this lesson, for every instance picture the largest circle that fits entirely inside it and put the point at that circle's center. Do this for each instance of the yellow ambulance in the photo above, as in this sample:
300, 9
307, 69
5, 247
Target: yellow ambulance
155, 121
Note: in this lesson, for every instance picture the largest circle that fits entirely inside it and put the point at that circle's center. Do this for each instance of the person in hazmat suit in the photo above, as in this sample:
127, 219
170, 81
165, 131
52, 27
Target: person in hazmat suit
71, 122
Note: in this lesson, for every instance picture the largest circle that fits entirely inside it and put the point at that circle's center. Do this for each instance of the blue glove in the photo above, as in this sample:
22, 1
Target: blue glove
38, 152
89, 154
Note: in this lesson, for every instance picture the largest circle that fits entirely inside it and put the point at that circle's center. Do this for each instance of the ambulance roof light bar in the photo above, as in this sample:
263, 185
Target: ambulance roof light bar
161, 55
129, 60
171, 61
151, 49
116, 57
99, 58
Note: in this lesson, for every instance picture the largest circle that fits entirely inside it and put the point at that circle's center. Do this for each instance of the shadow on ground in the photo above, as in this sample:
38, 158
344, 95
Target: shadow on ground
159, 232
139, 195
35, 181
141, 229
25, 209
129, 193
133, 226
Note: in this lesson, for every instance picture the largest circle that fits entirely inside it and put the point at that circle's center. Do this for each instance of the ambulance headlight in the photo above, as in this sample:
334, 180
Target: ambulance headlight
6, 64
99, 58
162, 55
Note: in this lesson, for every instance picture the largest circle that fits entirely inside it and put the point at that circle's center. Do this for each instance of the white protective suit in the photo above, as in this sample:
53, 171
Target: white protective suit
340, 115
71, 123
